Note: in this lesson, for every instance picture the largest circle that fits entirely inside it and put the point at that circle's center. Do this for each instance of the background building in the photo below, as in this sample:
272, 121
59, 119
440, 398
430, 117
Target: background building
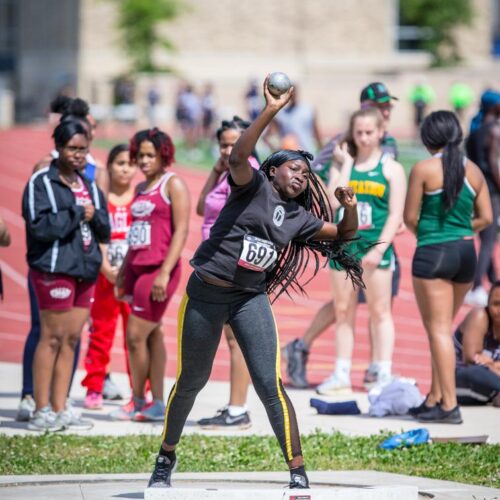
331, 48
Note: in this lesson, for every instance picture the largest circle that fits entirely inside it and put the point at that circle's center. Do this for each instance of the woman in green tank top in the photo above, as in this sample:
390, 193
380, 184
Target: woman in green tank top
447, 202
380, 186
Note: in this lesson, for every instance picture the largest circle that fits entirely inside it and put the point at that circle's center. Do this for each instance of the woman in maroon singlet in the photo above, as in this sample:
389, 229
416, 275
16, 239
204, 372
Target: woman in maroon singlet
151, 270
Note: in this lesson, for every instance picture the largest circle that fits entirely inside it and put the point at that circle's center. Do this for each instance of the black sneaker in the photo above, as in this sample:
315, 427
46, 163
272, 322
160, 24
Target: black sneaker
162, 472
439, 416
225, 421
295, 354
422, 408
370, 379
298, 481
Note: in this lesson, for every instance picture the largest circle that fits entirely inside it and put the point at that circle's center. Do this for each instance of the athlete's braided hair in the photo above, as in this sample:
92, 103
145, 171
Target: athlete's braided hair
294, 258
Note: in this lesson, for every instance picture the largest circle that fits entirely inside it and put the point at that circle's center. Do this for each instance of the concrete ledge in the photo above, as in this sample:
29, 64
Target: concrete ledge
250, 492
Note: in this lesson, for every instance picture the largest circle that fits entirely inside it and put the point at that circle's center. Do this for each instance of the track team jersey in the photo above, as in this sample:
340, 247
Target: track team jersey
437, 225
120, 218
323, 161
82, 197
253, 226
152, 226
372, 192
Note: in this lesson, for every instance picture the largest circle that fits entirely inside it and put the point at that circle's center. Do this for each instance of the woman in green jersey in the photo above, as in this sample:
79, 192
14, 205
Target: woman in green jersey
447, 202
380, 186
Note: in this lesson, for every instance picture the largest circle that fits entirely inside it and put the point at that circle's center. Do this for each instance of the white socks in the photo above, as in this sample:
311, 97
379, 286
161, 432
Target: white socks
343, 370
236, 411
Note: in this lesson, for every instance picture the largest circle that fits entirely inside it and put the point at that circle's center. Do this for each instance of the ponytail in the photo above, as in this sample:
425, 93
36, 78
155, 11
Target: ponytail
441, 131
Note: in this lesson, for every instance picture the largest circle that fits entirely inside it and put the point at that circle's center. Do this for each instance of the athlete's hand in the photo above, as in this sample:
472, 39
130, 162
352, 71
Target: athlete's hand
89, 211
341, 154
483, 360
159, 288
277, 102
346, 197
372, 259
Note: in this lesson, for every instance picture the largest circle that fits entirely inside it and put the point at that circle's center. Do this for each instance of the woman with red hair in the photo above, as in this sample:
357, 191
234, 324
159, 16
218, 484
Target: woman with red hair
151, 270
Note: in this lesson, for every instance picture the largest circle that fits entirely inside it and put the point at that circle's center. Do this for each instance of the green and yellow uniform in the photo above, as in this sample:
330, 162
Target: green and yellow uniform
372, 192
437, 225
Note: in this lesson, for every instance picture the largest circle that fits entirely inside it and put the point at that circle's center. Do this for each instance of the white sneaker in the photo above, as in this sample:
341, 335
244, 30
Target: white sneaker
477, 297
25, 409
333, 386
110, 390
72, 420
44, 420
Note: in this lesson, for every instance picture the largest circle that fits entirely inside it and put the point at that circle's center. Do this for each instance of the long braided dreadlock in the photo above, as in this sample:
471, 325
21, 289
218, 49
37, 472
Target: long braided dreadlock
293, 259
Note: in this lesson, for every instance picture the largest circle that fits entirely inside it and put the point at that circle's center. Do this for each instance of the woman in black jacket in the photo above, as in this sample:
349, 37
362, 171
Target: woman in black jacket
66, 219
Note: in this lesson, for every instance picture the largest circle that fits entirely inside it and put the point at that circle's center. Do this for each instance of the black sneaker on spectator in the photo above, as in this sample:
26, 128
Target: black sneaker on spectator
437, 415
223, 420
295, 355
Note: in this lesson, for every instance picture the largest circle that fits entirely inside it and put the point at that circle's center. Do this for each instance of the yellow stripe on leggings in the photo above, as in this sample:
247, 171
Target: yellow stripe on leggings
180, 326
286, 415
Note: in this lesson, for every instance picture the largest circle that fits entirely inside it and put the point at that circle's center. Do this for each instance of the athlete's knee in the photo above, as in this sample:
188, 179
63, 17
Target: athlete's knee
341, 311
135, 340
72, 340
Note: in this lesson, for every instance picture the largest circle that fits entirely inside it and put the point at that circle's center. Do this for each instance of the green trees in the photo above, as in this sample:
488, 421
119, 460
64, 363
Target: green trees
442, 17
138, 21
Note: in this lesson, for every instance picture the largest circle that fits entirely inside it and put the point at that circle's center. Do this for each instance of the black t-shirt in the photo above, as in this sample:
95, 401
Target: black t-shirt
254, 224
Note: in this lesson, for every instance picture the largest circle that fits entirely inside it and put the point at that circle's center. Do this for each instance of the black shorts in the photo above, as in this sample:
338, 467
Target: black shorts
453, 260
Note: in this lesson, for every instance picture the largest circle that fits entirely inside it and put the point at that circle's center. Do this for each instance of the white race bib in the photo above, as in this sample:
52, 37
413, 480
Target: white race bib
257, 254
86, 234
140, 234
364, 215
117, 250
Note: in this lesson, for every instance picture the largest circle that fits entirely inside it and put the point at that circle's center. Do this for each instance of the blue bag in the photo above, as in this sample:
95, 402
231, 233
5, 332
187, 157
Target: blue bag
406, 439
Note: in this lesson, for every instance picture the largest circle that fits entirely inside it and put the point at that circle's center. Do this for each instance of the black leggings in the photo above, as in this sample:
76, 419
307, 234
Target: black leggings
476, 385
203, 312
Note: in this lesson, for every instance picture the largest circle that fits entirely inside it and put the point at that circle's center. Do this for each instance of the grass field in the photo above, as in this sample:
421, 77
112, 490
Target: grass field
66, 454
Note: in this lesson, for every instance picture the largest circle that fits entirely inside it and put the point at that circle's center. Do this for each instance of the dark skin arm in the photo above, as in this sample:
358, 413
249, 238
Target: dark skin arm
240, 168
348, 226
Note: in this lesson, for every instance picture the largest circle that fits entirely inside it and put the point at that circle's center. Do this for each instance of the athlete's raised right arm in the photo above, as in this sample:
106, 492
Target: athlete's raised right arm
240, 168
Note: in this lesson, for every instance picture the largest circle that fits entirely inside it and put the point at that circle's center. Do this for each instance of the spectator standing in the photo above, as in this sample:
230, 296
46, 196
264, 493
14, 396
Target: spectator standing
483, 148
447, 201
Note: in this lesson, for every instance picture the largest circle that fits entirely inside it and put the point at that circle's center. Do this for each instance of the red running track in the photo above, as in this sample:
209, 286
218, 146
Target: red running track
22, 147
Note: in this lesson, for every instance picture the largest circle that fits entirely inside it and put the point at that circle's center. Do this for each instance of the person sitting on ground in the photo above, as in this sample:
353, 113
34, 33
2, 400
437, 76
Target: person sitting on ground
477, 347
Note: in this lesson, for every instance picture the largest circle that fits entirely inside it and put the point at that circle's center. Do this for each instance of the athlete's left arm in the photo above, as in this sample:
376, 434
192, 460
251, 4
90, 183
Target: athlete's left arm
100, 221
414, 198
177, 191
